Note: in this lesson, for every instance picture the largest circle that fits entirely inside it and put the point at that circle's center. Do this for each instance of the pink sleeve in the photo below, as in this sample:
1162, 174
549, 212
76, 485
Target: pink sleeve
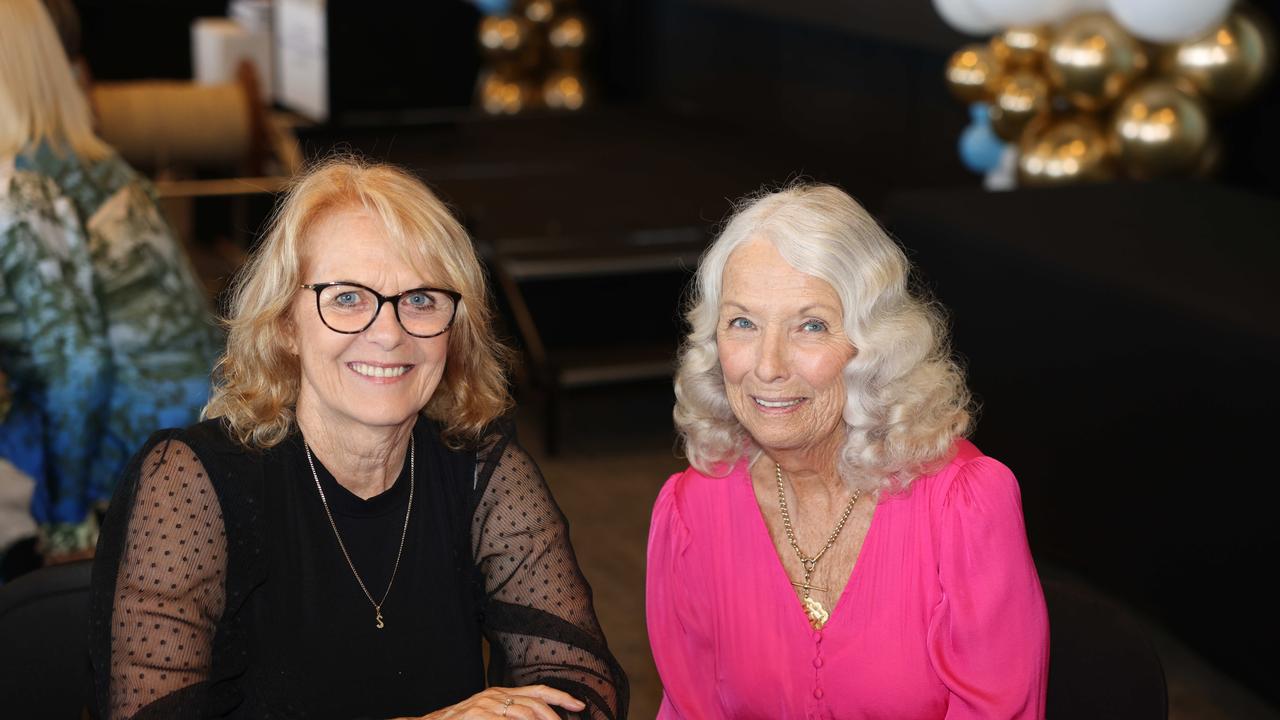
989, 636
676, 617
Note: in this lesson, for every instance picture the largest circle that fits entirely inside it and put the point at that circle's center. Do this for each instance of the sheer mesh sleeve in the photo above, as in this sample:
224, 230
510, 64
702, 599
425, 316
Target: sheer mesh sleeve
168, 591
538, 613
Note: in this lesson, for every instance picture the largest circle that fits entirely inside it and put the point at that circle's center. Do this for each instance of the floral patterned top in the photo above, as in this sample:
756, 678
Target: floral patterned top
105, 334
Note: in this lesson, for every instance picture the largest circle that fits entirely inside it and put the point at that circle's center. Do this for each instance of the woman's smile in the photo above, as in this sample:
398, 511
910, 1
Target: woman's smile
380, 373
777, 406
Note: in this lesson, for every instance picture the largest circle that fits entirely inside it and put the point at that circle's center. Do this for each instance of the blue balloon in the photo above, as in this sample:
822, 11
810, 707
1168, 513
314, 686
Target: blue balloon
493, 7
980, 148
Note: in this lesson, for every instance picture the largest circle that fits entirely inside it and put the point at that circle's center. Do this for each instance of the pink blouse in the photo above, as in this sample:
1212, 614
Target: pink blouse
943, 616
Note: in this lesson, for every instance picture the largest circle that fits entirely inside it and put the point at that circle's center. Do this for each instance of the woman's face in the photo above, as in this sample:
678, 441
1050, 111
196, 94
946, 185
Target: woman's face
782, 350
381, 377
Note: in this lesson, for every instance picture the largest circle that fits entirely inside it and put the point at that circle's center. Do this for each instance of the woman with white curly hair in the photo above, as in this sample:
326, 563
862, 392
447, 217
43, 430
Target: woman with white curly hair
838, 549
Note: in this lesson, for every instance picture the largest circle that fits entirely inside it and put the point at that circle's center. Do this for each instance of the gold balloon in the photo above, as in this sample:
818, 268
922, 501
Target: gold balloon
971, 72
568, 31
1021, 46
567, 36
1093, 61
510, 43
564, 91
503, 33
1062, 151
1230, 62
1160, 130
501, 96
539, 11
1019, 98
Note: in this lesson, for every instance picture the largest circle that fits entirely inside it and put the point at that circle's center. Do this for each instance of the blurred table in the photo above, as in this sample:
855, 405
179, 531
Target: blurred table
553, 174
591, 224
1123, 340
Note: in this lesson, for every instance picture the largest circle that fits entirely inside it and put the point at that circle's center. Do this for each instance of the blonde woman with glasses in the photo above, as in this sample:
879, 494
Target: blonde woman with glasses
355, 516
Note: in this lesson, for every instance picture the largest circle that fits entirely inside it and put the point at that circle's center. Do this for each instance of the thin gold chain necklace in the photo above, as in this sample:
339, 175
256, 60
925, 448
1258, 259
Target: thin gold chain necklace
377, 604
816, 613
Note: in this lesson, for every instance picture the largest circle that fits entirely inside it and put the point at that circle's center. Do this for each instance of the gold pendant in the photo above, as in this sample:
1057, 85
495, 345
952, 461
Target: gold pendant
379, 618
818, 615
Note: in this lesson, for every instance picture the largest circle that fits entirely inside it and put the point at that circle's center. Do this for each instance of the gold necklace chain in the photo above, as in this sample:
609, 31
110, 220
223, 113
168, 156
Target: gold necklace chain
817, 614
377, 606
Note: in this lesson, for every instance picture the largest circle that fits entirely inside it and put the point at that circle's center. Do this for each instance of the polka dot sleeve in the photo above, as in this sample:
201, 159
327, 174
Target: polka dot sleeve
169, 588
537, 607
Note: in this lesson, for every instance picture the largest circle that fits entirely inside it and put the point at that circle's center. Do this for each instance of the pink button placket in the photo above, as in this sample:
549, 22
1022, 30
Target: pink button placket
817, 665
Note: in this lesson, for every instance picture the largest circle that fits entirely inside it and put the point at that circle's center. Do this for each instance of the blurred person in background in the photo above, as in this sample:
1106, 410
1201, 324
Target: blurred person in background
105, 332
837, 548
66, 20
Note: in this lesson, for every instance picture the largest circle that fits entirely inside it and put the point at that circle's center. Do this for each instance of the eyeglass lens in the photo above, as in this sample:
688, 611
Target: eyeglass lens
351, 308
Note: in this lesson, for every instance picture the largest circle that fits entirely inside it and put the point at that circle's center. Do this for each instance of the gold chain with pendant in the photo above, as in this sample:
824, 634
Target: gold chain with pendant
813, 609
377, 605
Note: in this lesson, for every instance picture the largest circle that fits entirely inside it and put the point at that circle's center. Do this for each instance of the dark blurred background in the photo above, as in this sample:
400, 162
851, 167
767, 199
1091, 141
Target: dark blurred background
1121, 337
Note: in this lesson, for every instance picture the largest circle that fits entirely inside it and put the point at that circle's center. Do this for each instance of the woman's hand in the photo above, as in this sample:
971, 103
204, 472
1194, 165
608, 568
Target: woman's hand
530, 702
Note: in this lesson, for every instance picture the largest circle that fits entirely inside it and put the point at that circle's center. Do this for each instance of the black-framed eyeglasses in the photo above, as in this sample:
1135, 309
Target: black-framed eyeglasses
350, 308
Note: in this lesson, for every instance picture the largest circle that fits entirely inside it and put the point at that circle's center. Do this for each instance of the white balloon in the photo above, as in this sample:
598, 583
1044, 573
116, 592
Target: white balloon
964, 16
1026, 12
1084, 6
1167, 21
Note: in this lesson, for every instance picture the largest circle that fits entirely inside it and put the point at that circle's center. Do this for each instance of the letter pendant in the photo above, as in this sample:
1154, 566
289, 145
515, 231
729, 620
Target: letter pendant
379, 617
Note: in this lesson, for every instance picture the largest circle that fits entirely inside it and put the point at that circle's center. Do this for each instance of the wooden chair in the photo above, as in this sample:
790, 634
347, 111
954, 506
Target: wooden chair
586, 362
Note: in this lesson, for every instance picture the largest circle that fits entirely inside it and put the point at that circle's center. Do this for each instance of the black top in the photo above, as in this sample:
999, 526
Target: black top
220, 590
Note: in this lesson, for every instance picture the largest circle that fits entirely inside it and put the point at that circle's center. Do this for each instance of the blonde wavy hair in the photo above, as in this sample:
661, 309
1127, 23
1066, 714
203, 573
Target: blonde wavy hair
257, 379
40, 100
906, 398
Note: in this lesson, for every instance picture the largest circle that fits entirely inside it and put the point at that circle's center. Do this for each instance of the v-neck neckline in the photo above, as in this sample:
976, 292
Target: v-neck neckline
743, 472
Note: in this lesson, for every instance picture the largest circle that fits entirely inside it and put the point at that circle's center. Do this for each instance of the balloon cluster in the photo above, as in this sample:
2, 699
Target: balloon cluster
533, 56
1084, 90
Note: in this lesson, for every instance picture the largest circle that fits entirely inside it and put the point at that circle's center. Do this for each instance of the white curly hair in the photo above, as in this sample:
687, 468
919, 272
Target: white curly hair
906, 403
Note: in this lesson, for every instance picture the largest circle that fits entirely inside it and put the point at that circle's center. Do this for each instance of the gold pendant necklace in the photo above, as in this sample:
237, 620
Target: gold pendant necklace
813, 609
377, 604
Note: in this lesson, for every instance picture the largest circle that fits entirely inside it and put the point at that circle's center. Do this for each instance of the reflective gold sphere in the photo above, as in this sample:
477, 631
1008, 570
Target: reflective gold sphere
1229, 63
567, 35
564, 91
971, 72
500, 96
1092, 61
568, 32
539, 11
503, 33
1062, 151
1159, 130
1018, 99
1022, 46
